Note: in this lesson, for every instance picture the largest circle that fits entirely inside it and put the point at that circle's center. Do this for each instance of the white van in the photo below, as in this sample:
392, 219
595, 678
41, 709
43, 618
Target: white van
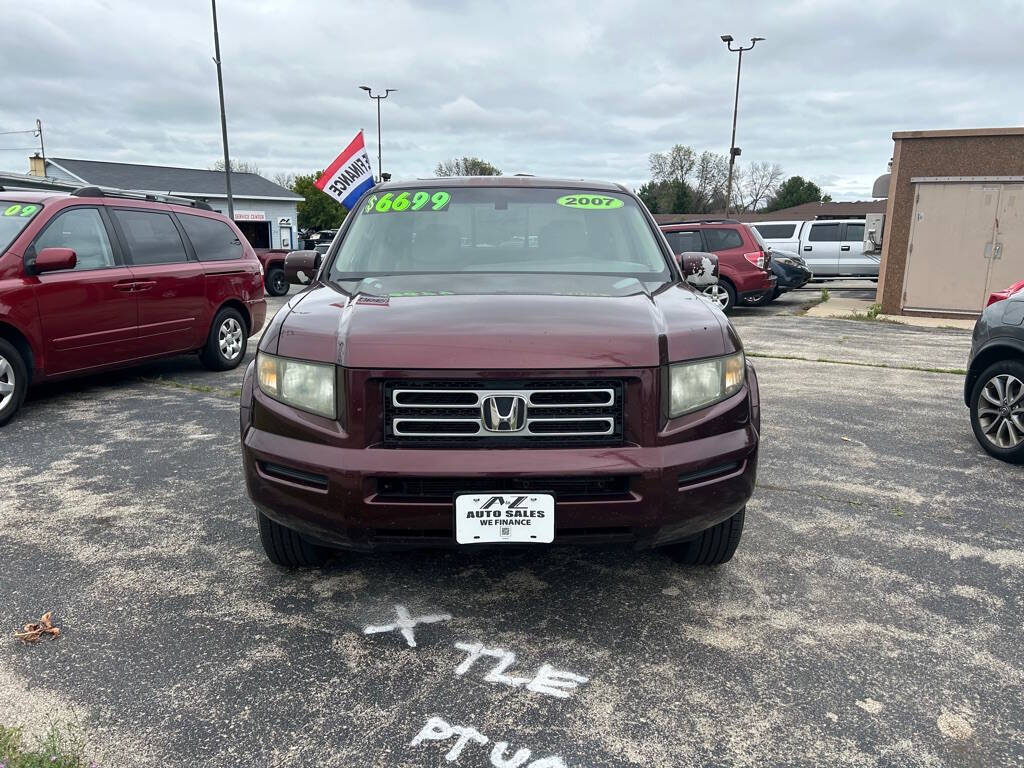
831, 247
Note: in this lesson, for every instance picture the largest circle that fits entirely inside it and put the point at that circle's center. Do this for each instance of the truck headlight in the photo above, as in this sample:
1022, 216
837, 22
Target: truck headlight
700, 384
308, 386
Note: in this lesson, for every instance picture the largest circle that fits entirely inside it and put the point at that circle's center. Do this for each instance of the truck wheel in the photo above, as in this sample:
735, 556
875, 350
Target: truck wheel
276, 283
712, 547
13, 381
997, 410
226, 344
286, 548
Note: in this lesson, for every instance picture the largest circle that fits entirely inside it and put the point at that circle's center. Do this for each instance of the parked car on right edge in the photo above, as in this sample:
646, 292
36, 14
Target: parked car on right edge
994, 387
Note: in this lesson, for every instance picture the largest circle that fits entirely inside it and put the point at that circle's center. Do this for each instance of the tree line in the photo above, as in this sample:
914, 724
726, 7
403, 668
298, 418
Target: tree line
683, 181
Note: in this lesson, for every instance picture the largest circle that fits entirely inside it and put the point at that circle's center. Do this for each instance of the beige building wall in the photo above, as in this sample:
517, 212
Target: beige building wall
985, 152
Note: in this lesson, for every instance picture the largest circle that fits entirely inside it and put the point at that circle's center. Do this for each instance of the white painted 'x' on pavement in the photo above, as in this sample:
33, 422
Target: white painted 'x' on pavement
406, 623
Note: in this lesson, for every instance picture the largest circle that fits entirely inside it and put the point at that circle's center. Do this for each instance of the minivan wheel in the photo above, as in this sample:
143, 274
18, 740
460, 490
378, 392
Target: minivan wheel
277, 283
723, 294
13, 381
286, 548
714, 546
997, 410
226, 344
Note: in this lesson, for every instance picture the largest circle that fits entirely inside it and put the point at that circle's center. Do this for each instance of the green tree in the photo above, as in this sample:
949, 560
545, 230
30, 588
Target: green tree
319, 210
795, 190
466, 166
673, 196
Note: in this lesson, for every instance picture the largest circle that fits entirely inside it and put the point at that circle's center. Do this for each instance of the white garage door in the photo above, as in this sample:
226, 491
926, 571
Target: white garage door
966, 240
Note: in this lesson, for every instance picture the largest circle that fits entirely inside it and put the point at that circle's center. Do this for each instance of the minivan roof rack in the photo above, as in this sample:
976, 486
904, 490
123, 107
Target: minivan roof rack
95, 191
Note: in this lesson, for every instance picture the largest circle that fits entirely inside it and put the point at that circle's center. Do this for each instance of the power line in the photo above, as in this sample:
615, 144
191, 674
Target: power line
8, 133
17, 149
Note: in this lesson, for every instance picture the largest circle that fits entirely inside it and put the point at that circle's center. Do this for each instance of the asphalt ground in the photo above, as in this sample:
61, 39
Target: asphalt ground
871, 617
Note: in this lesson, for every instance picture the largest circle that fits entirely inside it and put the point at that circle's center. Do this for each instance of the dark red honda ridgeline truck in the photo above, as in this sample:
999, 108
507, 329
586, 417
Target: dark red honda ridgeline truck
499, 361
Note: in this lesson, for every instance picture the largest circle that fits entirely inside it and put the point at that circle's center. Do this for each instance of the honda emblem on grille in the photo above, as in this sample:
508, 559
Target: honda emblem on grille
503, 413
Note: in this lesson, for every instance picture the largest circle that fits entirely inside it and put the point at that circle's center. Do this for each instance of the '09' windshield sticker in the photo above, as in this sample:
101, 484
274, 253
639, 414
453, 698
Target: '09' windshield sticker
422, 200
590, 202
21, 211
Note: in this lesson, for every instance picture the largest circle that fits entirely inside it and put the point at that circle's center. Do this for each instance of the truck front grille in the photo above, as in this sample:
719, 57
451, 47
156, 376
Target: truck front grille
493, 413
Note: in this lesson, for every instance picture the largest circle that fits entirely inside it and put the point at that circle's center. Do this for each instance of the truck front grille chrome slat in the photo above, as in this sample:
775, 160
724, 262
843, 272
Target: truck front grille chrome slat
519, 412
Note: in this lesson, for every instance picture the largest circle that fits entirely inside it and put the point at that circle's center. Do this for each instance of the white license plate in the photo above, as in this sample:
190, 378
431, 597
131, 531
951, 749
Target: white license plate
504, 517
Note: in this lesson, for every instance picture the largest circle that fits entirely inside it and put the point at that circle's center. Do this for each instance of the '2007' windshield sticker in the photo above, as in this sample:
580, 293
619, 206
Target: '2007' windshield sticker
422, 200
21, 211
590, 202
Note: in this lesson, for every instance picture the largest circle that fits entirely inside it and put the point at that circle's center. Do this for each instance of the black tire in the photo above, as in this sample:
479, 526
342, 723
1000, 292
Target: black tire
767, 299
724, 286
224, 350
1002, 368
12, 370
286, 548
275, 282
714, 546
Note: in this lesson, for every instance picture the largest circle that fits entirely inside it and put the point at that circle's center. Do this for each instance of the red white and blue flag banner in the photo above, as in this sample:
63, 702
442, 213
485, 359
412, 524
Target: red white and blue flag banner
349, 175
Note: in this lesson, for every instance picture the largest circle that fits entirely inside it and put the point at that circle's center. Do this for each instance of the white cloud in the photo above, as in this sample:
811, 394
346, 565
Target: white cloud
544, 87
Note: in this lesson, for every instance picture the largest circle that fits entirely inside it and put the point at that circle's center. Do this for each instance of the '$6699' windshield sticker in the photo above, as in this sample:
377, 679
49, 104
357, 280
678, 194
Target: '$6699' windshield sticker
405, 201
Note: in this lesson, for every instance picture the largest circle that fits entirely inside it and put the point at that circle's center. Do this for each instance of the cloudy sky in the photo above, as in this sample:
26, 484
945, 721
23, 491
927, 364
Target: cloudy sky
581, 89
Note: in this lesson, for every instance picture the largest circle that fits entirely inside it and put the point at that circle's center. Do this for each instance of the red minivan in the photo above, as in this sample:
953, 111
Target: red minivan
97, 279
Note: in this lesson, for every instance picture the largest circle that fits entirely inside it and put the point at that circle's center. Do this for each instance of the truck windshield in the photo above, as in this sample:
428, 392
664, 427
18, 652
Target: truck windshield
499, 229
14, 217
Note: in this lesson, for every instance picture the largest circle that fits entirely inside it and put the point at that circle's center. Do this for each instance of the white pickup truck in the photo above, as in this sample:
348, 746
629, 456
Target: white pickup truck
831, 247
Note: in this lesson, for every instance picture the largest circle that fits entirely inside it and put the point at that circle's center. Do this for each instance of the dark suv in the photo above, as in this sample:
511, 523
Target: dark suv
994, 387
498, 361
744, 261
99, 279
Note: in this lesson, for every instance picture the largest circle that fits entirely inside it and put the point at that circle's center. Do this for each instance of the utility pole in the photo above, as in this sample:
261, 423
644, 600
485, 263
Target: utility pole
39, 133
223, 115
734, 151
380, 171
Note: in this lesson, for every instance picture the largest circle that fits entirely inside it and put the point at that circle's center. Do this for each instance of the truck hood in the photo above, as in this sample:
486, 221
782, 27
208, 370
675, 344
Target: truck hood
509, 322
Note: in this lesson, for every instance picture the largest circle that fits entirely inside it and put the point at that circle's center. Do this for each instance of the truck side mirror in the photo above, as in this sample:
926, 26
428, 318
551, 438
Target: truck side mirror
300, 266
700, 269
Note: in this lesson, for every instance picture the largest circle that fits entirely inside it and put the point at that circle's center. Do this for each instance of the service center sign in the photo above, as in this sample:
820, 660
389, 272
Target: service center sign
250, 215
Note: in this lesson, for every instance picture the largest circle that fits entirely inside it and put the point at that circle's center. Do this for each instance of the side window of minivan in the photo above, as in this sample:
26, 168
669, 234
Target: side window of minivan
81, 230
212, 240
151, 237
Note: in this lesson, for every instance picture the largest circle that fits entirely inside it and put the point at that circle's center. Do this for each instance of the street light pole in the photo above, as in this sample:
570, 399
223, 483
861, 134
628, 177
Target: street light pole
380, 171
223, 115
733, 149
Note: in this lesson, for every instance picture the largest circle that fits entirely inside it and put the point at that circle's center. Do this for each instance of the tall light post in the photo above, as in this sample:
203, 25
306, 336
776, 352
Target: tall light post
223, 115
734, 151
380, 172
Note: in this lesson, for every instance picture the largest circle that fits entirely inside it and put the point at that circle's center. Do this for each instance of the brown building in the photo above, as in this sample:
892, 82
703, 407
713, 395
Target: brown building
954, 220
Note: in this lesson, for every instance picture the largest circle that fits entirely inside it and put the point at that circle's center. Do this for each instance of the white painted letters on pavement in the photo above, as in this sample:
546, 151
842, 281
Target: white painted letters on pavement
437, 729
548, 680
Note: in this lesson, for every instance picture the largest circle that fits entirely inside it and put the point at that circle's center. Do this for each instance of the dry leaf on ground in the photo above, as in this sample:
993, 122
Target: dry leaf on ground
34, 631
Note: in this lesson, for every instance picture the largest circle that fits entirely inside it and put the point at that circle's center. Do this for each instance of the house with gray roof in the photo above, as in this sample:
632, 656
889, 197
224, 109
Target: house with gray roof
264, 211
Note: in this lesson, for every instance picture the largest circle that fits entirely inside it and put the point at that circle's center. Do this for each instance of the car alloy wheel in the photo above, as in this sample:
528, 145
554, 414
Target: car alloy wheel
718, 295
230, 337
1001, 411
8, 383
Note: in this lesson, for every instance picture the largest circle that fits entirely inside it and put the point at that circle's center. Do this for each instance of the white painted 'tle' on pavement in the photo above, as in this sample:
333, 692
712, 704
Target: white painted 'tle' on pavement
406, 623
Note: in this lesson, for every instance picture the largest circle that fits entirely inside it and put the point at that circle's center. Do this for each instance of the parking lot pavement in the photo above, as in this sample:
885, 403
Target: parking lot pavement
870, 618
